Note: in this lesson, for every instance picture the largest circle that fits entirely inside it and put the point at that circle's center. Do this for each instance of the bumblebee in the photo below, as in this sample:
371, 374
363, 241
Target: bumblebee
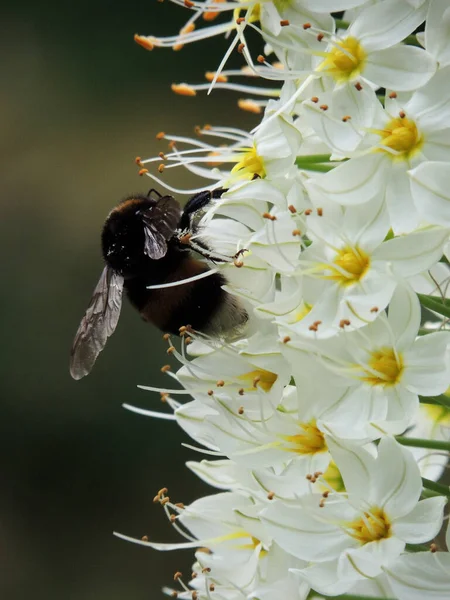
146, 241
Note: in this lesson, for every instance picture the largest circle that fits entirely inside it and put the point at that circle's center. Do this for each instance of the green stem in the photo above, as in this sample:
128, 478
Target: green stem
341, 24
411, 40
423, 443
417, 548
435, 304
443, 490
318, 167
441, 400
353, 597
428, 494
313, 158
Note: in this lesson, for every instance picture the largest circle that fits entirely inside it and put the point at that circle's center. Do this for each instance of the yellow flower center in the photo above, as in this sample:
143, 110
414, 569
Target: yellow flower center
351, 266
252, 14
386, 368
310, 441
282, 5
300, 313
260, 378
371, 527
249, 164
402, 136
345, 61
440, 415
334, 478
251, 541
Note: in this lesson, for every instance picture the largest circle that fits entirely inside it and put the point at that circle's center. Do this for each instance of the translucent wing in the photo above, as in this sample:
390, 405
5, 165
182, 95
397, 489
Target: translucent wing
160, 222
98, 323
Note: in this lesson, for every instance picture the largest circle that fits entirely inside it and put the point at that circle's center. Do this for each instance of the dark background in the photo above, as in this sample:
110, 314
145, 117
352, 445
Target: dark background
79, 101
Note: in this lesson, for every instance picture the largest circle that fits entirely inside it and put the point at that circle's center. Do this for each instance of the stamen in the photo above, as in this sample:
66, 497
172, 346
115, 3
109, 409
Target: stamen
149, 413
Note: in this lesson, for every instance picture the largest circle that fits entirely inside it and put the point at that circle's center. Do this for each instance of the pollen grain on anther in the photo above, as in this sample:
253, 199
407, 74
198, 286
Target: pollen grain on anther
249, 106
183, 89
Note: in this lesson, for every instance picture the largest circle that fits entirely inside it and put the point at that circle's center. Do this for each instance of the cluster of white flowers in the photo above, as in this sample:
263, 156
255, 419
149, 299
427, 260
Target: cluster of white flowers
327, 417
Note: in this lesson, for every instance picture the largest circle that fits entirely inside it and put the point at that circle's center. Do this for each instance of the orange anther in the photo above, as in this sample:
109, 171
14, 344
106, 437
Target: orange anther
249, 106
144, 42
183, 89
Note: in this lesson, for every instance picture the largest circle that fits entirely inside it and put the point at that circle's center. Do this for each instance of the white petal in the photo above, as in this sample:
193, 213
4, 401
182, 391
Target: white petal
404, 316
385, 24
430, 185
437, 31
324, 578
413, 253
368, 559
355, 465
396, 482
437, 145
430, 105
402, 211
421, 576
302, 536
426, 371
355, 181
422, 523
401, 68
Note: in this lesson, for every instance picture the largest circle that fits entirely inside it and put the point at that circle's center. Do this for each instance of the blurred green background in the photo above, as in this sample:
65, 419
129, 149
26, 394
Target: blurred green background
79, 101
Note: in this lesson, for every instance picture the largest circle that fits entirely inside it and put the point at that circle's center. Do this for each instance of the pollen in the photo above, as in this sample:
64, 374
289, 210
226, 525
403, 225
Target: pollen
385, 368
249, 164
249, 106
400, 138
210, 15
145, 42
373, 525
183, 89
310, 441
345, 61
260, 378
189, 28
351, 264
209, 76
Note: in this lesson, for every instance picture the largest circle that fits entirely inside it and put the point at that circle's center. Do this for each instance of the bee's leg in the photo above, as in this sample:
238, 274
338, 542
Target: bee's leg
153, 191
198, 202
207, 253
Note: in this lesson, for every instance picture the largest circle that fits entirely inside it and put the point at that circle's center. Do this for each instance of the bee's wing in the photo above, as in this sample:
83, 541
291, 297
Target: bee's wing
98, 323
160, 222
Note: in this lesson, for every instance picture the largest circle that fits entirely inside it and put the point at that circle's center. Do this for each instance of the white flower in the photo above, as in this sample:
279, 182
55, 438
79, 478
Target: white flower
419, 576
432, 423
351, 270
401, 137
385, 363
363, 532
